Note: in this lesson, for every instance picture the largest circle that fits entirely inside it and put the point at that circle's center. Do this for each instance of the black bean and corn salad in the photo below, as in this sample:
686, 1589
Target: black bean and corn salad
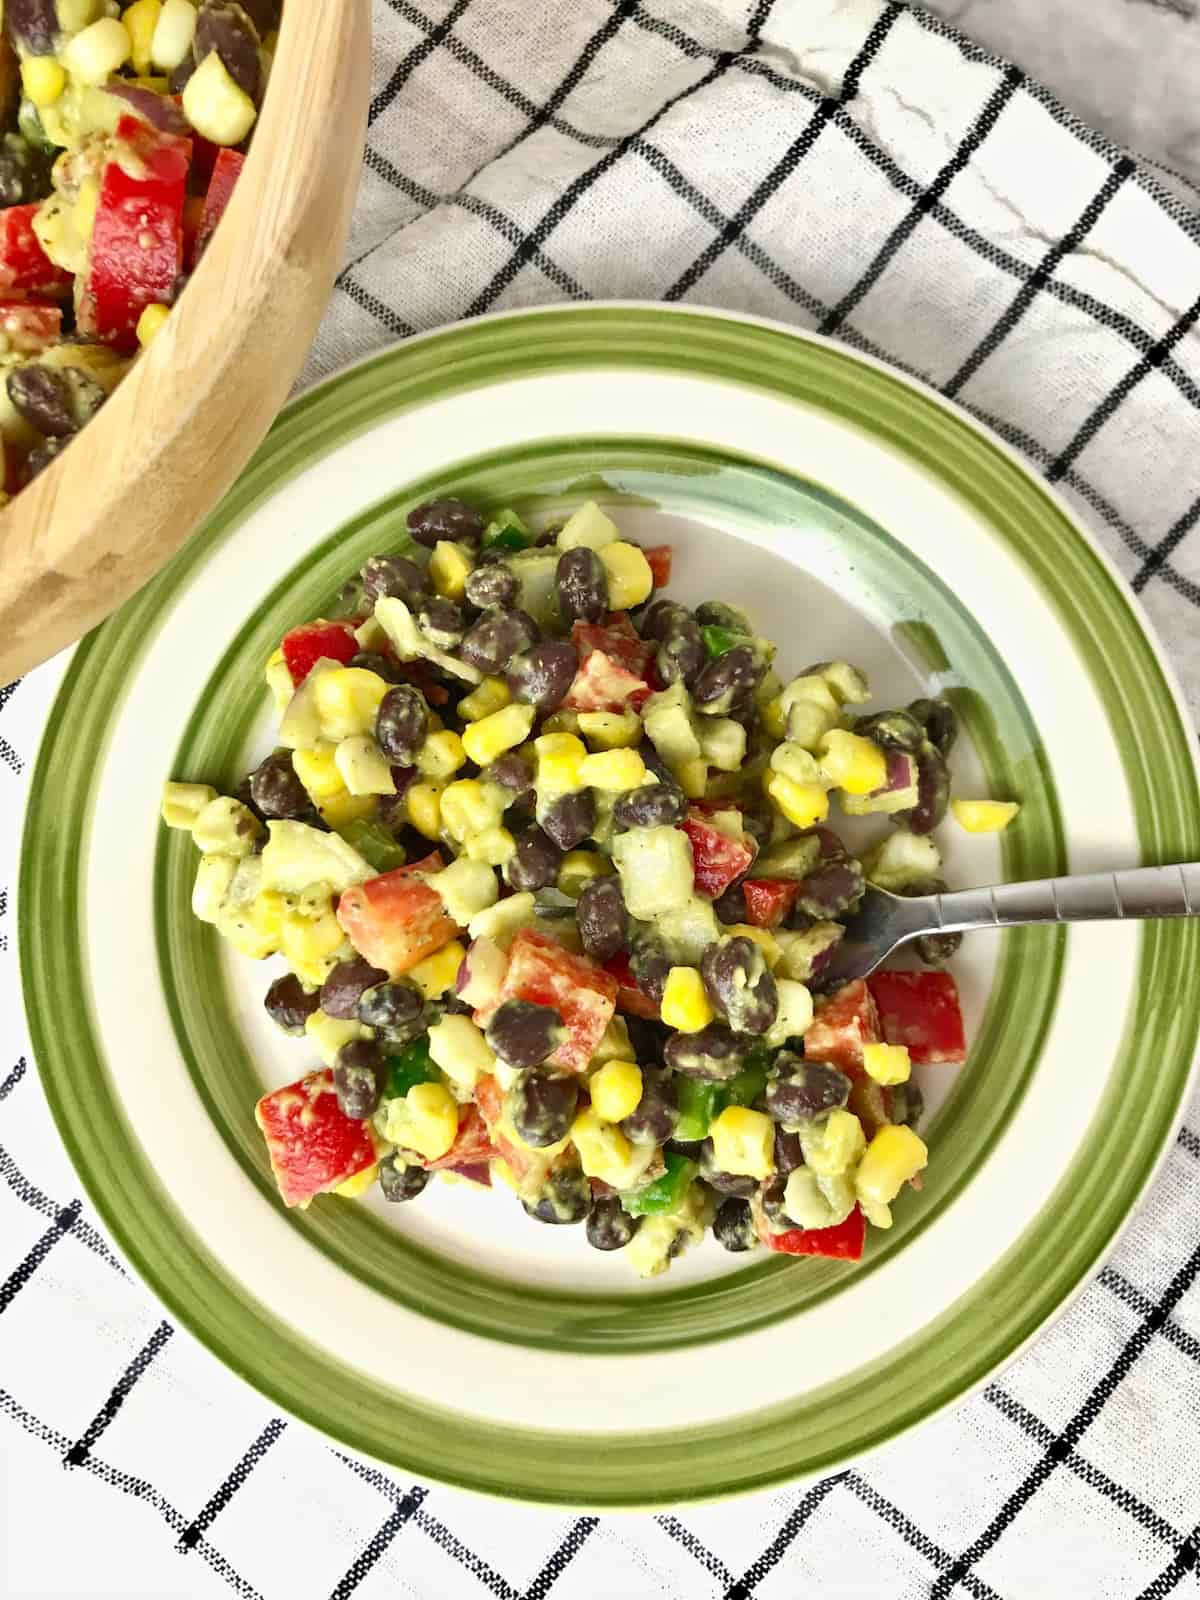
548, 859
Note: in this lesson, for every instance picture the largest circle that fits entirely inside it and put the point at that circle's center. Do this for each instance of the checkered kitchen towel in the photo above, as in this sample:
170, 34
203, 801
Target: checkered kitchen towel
840, 164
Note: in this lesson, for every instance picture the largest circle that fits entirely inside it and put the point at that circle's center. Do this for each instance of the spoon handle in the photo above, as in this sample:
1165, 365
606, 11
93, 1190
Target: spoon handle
1137, 893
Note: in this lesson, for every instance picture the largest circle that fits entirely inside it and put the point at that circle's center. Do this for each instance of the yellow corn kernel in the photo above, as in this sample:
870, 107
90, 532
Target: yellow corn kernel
174, 34
423, 802
798, 764
604, 1151
307, 941
743, 1142
441, 755
358, 1185
609, 730
984, 816
43, 80
329, 1034
347, 701
459, 1048
449, 569
630, 579
343, 807
693, 778
491, 695
425, 1120
214, 874
774, 718
318, 771
578, 868
468, 807
835, 1145
226, 826
852, 763
893, 1157
182, 803
141, 19
560, 756
887, 1063
495, 846
437, 972
685, 1003
615, 770
615, 1090
279, 681
99, 50
218, 108
151, 323
486, 740
763, 938
803, 804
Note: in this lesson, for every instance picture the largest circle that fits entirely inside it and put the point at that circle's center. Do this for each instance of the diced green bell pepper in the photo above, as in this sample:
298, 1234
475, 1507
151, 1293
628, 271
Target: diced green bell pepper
374, 844
718, 640
697, 1106
507, 532
745, 1088
411, 1066
665, 1193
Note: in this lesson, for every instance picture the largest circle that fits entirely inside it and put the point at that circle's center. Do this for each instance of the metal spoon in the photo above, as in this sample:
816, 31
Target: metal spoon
885, 921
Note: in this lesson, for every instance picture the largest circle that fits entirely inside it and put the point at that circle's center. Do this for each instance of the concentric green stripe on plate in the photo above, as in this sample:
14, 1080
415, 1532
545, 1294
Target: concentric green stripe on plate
990, 1322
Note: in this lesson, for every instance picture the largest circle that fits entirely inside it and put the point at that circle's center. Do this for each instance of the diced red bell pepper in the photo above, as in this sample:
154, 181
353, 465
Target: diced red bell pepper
522, 1161
396, 919
844, 1022
716, 858
631, 999
542, 972
136, 252
659, 557
25, 268
312, 1144
472, 1147
304, 646
768, 900
27, 327
225, 174
617, 637
603, 684
843, 1242
920, 1010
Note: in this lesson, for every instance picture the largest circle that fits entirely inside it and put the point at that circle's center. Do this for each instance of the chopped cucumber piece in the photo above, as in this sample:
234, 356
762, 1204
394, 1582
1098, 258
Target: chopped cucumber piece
655, 865
903, 859
296, 856
589, 527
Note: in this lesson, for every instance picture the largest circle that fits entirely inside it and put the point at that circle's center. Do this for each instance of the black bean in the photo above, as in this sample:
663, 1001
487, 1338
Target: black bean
276, 790
907, 1104
445, 519
800, 1090
935, 949
933, 791
582, 585
649, 962
940, 722
758, 826
774, 1194
654, 805
24, 172
225, 28
32, 25
394, 576
391, 812
893, 730
524, 1034
689, 1149
728, 680
653, 1119
659, 617
491, 584
719, 614
714, 1053
394, 1009
289, 1004
441, 620
535, 862
831, 890
264, 14
566, 1197
740, 984
569, 819
609, 1225
181, 76
733, 1225
681, 656
401, 723
398, 1180
731, 907
788, 1152
600, 918
543, 675
358, 1077
490, 644
723, 1182
55, 401
647, 1038
541, 1105
372, 661
345, 986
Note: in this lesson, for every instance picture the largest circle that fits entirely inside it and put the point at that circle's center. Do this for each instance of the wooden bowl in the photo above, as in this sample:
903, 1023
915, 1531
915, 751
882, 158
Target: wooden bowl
100, 521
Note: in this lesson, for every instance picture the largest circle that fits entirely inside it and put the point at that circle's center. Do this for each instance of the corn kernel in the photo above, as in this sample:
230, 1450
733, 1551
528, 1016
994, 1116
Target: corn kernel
803, 804
98, 51
279, 682
329, 1034
318, 771
449, 569
173, 35
984, 816
307, 941
560, 756
424, 1120
347, 701
887, 1063
495, 846
182, 803
491, 695
441, 755
798, 764
807, 724
610, 730
226, 826
43, 80
743, 1142
343, 807
774, 718
813, 690
423, 802
765, 940
616, 1090
214, 874
615, 770
141, 19
459, 1048
604, 1151
486, 740
693, 778
835, 1145
219, 109
437, 972
578, 868
851, 763
685, 1003
630, 579
468, 807
358, 1185
893, 1157
253, 929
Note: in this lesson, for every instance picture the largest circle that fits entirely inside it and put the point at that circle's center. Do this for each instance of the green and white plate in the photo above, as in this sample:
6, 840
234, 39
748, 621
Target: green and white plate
854, 514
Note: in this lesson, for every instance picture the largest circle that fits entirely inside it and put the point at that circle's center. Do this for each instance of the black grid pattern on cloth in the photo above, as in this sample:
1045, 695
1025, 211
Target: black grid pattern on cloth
1154, 353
